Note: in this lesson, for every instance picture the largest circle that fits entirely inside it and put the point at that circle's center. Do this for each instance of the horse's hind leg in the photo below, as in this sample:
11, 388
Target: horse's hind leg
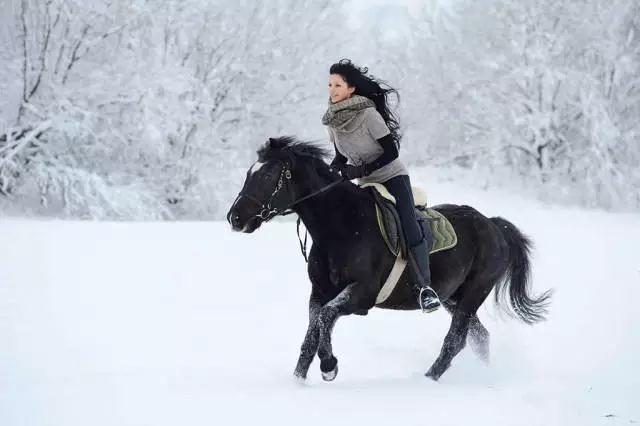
479, 338
475, 290
453, 344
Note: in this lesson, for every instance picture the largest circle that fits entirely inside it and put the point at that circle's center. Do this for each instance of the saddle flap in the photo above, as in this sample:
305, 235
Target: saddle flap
389, 223
443, 236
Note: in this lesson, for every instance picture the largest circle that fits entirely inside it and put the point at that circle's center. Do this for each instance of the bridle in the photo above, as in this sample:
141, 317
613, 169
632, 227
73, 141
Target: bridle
268, 211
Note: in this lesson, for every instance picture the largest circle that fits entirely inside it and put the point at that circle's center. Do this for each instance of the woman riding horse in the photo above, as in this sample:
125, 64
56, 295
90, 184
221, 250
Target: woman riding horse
366, 138
349, 260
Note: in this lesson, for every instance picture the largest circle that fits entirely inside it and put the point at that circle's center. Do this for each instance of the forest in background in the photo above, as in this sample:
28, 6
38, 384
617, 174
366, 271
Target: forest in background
137, 110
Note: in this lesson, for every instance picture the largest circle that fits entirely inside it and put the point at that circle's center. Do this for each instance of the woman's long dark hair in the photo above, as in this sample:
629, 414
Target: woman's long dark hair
375, 89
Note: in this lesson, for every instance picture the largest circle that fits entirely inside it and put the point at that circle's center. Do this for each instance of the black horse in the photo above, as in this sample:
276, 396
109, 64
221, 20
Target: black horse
349, 261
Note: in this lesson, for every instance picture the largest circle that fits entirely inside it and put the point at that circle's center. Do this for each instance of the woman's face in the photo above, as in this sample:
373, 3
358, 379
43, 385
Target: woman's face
339, 90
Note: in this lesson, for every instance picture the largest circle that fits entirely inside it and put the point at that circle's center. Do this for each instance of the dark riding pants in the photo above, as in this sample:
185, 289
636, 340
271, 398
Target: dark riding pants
400, 188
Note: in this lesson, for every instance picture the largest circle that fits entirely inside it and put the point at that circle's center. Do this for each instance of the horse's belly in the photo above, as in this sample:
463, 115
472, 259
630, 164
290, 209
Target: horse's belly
402, 297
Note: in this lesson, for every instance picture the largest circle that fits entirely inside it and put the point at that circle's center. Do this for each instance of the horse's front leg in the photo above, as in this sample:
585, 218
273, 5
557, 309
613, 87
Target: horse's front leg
353, 298
310, 344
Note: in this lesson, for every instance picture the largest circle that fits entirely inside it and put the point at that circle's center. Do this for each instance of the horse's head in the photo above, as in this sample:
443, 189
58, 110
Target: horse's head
274, 182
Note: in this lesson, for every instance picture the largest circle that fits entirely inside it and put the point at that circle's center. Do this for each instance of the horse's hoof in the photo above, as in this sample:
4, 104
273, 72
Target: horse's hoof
432, 375
299, 377
329, 368
300, 380
437, 369
330, 375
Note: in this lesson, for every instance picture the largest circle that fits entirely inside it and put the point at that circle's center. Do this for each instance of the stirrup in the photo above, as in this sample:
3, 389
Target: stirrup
432, 302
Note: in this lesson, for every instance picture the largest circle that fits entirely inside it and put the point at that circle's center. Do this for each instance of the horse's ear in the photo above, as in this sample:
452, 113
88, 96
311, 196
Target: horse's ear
268, 143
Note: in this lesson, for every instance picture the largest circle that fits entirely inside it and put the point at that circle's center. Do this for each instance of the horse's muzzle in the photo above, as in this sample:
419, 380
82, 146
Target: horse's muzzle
241, 222
234, 220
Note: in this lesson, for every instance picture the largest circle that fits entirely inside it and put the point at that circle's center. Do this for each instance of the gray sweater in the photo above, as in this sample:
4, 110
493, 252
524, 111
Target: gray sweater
357, 141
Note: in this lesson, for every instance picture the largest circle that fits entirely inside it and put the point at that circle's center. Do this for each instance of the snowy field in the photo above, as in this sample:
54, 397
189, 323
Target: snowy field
191, 324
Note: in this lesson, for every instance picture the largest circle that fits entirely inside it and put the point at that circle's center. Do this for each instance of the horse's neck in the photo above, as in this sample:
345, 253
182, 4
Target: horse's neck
325, 212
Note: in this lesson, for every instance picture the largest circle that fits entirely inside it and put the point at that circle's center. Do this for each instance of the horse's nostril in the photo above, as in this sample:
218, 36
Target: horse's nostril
235, 219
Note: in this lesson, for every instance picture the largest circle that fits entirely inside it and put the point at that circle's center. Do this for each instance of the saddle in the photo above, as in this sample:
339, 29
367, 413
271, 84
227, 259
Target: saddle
444, 236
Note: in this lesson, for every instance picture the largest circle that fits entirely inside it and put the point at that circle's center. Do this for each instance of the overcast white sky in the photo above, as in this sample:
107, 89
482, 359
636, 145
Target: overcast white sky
411, 6
391, 14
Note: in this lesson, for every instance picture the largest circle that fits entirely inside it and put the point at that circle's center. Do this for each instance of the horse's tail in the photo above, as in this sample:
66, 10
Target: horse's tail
516, 277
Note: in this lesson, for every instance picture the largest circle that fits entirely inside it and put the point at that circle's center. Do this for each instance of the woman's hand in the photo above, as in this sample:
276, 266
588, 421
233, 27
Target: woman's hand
349, 171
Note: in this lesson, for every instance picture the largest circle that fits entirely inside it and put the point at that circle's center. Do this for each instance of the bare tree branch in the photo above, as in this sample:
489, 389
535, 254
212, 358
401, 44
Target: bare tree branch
25, 57
43, 51
74, 53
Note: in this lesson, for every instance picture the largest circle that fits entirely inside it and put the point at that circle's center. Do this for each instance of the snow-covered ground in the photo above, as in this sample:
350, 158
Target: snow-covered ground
191, 324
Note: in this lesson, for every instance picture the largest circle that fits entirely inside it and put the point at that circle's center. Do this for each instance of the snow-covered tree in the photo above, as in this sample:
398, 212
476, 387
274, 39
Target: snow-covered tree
157, 105
548, 90
154, 109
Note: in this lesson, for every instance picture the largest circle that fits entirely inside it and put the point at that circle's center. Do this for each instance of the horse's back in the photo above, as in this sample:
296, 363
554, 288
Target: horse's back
483, 235
480, 243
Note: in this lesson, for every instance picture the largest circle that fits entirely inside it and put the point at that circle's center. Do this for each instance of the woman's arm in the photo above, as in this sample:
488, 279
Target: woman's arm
355, 172
389, 154
379, 131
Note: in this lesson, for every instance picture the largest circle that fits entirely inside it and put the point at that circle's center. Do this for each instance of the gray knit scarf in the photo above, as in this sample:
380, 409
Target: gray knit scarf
342, 112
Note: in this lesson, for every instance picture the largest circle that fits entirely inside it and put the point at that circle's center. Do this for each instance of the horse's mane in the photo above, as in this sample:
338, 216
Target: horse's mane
286, 147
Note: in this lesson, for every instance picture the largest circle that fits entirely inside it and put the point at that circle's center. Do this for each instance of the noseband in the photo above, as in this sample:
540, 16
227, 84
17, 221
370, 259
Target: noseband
267, 211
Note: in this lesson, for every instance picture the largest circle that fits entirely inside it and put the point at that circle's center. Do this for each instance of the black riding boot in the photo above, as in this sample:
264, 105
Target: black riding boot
427, 297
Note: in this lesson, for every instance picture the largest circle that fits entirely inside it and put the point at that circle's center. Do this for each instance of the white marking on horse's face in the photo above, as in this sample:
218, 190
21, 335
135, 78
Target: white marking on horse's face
234, 203
255, 167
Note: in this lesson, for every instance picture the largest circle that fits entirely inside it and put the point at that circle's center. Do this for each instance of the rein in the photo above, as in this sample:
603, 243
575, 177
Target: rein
267, 212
